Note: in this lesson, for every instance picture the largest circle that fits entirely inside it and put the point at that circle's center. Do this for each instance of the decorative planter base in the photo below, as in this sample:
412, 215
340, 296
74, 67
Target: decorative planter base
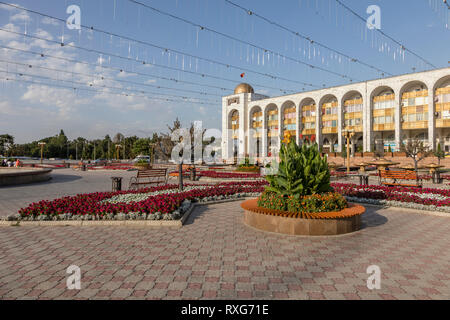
16, 176
322, 224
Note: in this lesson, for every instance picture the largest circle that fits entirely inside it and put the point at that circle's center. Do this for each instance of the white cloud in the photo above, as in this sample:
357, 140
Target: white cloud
9, 8
22, 16
18, 45
50, 21
43, 34
6, 36
202, 111
49, 98
7, 109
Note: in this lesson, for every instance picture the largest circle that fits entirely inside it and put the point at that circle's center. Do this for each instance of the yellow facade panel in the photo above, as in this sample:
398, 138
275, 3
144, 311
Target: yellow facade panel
329, 130
384, 127
442, 123
388, 97
415, 125
308, 132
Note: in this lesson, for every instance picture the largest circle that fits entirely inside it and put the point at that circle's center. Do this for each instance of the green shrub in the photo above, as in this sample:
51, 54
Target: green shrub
245, 163
248, 169
302, 171
273, 201
328, 202
142, 162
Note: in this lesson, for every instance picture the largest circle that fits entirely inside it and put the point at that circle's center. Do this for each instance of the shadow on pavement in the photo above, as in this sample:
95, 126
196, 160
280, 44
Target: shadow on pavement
371, 218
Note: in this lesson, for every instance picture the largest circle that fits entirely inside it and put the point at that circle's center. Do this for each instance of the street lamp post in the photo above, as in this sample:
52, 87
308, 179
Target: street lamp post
118, 146
348, 134
180, 169
42, 144
152, 153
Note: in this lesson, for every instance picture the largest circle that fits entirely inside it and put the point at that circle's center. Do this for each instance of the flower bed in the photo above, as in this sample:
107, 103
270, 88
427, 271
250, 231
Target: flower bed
112, 167
251, 169
228, 175
419, 198
162, 202
219, 175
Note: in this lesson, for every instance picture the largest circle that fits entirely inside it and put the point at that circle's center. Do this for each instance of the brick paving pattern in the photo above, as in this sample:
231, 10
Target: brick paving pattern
215, 256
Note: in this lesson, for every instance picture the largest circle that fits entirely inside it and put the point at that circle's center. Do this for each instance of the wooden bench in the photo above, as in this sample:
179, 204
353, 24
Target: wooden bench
148, 177
400, 175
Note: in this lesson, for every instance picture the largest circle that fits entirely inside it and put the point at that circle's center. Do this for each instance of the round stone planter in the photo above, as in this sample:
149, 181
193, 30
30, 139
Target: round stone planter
16, 176
313, 224
142, 166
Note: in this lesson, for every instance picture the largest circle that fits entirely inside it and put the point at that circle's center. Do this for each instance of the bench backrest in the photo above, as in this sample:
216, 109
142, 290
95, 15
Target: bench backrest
151, 173
399, 174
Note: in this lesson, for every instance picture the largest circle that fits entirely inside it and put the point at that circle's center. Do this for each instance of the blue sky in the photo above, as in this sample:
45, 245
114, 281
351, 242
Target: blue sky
30, 110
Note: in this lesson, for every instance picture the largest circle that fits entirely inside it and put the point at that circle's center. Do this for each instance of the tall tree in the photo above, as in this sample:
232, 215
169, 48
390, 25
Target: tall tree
416, 150
439, 153
6, 143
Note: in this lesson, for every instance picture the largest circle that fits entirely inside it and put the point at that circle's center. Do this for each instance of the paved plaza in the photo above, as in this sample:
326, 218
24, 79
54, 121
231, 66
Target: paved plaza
64, 182
216, 256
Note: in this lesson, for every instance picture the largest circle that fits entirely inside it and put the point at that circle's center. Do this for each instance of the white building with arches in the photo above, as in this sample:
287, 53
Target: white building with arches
382, 113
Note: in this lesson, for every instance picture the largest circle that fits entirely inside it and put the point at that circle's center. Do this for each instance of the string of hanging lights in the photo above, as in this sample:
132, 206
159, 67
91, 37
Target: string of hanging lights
263, 50
164, 50
103, 78
99, 52
75, 88
397, 42
92, 84
307, 38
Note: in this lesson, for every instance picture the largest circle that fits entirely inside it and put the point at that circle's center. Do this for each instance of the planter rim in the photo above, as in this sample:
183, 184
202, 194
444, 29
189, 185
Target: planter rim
351, 211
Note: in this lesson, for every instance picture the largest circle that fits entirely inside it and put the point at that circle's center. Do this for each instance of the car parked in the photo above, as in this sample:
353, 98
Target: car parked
141, 158
101, 162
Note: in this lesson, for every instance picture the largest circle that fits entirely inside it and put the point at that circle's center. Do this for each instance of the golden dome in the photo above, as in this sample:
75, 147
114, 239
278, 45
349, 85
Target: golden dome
244, 88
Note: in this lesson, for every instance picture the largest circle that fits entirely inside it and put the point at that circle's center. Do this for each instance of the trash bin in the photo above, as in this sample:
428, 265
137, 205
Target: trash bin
83, 167
192, 174
116, 184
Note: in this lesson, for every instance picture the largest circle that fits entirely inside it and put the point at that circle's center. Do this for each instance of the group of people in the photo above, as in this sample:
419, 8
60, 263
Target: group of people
11, 163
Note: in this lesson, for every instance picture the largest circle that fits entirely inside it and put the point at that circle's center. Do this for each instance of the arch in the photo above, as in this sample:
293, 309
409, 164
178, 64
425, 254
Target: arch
233, 127
383, 104
307, 117
352, 108
414, 101
255, 124
412, 86
307, 102
353, 94
231, 114
442, 82
381, 91
288, 119
441, 99
329, 115
288, 104
272, 127
327, 99
253, 110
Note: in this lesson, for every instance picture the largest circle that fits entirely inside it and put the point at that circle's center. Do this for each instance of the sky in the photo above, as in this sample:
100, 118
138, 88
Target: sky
140, 68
